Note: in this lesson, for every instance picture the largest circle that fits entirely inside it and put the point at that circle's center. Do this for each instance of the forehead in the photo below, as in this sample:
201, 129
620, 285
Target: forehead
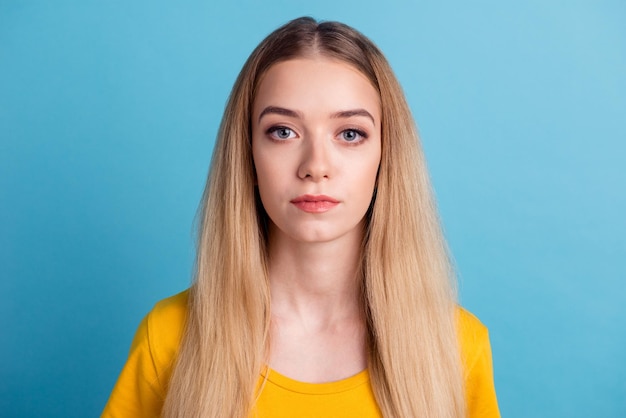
316, 83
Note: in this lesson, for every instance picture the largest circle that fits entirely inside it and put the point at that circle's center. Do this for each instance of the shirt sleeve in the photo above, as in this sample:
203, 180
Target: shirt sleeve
138, 391
141, 387
479, 384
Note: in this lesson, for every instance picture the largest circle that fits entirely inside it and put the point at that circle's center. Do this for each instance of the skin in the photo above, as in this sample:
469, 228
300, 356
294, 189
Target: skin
316, 132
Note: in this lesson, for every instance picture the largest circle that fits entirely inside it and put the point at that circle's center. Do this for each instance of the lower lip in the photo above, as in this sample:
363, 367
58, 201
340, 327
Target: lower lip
320, 206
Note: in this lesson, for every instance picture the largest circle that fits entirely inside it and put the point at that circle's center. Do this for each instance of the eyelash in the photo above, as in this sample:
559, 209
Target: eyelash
272, 130
360, 133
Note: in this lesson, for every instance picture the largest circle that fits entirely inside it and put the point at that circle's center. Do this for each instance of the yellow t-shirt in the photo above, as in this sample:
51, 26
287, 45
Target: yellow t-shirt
140, 389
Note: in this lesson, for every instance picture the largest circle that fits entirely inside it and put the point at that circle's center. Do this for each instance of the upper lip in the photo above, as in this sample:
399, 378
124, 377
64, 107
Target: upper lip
314, 198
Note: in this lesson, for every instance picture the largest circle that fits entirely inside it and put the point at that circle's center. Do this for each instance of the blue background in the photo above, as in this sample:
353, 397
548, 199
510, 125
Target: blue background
108, 111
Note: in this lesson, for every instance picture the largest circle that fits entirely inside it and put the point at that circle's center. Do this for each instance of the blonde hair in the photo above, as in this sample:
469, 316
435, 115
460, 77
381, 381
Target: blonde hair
414, 358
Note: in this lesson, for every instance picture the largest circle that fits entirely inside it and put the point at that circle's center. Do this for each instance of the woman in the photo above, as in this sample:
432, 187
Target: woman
322, 284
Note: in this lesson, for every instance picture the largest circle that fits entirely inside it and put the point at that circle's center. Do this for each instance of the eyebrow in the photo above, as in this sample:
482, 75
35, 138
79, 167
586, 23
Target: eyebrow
279, 111
293, 114
353, 112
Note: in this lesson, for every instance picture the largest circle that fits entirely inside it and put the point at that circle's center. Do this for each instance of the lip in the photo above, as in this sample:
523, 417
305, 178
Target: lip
314, 203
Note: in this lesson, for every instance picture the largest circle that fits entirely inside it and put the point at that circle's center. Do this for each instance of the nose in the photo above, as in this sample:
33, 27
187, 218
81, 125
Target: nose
316, 159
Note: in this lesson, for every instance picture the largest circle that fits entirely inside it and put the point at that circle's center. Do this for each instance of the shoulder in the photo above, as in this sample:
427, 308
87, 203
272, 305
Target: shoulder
473, 337
477, 366
164, 327
141, 386
470, 329
159, 334
171, 311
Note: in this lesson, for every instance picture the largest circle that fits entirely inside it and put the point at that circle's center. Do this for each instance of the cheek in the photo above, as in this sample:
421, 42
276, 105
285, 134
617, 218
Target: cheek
370, 168
262, 167
365, 181
267, 173
270, 181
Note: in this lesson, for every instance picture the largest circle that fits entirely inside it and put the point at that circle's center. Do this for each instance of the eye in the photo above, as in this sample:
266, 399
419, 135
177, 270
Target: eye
353, 135
280, 133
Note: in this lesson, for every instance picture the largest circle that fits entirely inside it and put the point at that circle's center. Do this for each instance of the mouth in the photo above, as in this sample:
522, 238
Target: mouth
314, 203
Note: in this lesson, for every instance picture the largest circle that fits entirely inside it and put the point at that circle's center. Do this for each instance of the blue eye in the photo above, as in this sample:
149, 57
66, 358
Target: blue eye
280, 132
283, 133
353, 135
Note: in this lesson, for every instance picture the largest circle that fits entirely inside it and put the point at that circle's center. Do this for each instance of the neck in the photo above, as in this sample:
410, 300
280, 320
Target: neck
317, 282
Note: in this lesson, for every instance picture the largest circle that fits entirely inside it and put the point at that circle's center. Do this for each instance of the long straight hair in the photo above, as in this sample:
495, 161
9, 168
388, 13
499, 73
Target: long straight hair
414, 355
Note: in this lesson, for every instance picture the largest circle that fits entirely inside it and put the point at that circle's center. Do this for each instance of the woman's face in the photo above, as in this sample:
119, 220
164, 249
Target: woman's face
316, 144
